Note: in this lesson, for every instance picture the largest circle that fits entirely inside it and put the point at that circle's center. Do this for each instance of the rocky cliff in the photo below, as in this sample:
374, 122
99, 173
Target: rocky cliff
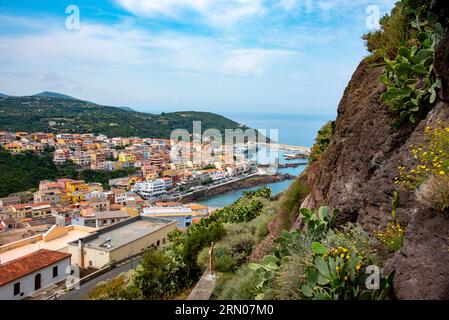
356, 174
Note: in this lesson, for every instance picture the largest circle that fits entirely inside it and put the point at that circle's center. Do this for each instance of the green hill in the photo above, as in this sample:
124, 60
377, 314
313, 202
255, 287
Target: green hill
56, 114
49, 94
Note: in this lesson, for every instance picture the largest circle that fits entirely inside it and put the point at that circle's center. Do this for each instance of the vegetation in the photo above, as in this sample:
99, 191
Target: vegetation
392, 237
291, 200
392, 34
393, 234
76, 116
434, 193
431, 158
32, 168
322, 141
318, 262
167, 272
407, 42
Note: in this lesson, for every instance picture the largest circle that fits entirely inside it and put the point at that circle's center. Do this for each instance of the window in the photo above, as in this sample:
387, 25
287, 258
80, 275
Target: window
158, 243
55, 271
90, 263
16, 288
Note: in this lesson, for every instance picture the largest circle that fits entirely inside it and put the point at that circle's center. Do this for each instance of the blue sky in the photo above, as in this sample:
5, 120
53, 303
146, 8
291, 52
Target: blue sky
265, 56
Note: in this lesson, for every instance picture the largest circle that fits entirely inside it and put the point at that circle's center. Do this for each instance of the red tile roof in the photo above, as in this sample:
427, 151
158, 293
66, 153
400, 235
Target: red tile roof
30, 263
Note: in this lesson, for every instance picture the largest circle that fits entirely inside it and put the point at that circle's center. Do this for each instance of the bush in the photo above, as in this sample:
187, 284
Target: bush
262, 226
322, 141
291, 201
154, 276
434, 193
241, 286
432, 158
387, 40
392, 236
232, 251
118, 288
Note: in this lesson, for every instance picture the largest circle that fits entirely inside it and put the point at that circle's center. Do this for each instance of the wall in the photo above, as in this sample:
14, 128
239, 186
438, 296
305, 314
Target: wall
27, 282
55, 232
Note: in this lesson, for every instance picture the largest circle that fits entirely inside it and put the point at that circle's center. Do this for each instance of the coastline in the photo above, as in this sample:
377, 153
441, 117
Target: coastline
248, 182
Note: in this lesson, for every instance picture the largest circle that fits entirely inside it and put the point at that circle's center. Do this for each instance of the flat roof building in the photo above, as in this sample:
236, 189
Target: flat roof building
119, 241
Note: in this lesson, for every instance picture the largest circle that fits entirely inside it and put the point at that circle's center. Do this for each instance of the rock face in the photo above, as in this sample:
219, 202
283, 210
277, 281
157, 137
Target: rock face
442, 66
356, 176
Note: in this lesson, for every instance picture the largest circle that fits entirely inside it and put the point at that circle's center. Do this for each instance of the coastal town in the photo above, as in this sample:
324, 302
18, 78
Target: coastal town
94, 224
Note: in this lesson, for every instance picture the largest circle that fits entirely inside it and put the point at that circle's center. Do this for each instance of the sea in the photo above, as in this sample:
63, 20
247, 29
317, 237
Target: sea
293, 129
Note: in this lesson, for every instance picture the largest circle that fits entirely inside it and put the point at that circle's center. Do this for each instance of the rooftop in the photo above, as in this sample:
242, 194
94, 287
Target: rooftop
27, 264
33, 244
123, 233
111, 214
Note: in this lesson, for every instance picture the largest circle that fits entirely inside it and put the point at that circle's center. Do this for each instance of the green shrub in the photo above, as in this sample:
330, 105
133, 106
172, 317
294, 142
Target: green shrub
231, 251
262, 226
118, 288
291, 201
322, 141
387, 40
411, 81
241, 286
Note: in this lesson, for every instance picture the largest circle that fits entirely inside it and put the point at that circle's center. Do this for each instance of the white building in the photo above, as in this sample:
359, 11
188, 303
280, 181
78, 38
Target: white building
150, 189
26, 275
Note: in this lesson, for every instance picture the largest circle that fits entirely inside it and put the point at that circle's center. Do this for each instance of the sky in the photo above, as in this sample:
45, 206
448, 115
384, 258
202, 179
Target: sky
252, 56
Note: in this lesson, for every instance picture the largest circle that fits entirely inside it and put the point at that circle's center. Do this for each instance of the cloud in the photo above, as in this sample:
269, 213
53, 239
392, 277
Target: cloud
252, 62
221, 13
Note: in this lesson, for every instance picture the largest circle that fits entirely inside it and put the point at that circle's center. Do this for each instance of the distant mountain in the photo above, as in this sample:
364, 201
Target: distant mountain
53, 114
49, 94
3, 95
126, 108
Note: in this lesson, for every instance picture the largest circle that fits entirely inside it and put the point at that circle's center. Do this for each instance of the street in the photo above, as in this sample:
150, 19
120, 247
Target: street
83, 292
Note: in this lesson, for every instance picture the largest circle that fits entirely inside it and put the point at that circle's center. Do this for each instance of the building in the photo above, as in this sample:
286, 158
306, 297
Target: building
26, 275
39, 210
53, 197
118, 196
55, 239
100, 219
181, 214
120, 241
150, 189
126, 157
9, 201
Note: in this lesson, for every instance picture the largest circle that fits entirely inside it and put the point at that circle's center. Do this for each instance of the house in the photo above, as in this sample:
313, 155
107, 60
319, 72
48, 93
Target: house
150, 189
9, 201
118, 196
126, 157
181, 214
8, 223
119, 241
33, 211
53, 197
26, 275
100, 219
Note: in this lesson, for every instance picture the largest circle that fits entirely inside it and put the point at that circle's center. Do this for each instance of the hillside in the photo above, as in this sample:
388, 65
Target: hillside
32, 168
55, 114
49, 94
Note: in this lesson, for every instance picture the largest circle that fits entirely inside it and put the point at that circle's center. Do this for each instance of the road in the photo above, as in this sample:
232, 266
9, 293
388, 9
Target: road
83, 292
